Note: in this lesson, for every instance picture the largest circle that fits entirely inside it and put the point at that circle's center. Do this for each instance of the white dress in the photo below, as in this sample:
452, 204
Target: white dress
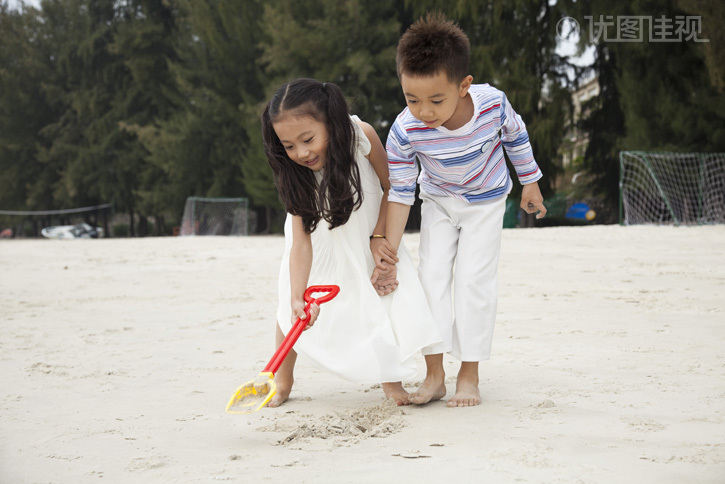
359, 335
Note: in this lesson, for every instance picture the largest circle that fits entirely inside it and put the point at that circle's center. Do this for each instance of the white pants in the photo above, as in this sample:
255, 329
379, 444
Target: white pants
467, 235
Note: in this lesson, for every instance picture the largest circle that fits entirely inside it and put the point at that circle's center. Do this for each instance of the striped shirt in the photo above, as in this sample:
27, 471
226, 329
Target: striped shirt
467, 163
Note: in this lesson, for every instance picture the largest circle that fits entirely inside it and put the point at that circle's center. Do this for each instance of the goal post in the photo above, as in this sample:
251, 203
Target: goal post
671, 188
215, 216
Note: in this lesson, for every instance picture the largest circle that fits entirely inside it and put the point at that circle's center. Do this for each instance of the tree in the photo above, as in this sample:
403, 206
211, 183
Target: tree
145, 41
25, 70
350, 43
655, 95
203, 147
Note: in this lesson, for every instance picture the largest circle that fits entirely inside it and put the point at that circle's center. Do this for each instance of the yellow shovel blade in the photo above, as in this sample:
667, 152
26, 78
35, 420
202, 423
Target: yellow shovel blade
253, 395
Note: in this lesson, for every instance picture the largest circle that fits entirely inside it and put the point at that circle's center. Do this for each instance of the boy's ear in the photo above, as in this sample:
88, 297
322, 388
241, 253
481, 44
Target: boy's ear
465, 84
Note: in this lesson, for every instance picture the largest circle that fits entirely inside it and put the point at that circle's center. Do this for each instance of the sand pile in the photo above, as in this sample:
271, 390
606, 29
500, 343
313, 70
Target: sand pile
352, 426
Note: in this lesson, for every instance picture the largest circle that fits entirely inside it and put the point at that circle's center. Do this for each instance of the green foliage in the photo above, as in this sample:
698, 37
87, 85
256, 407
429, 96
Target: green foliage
146, 102
26, 103
655, 96
351, 43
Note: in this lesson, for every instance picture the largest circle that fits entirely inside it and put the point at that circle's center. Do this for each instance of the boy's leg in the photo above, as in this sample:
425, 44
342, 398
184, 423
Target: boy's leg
284, 378
467, 392
476, 294
437, 250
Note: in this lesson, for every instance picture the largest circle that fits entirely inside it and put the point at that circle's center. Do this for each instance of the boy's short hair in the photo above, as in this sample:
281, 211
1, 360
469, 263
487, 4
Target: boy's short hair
431, 45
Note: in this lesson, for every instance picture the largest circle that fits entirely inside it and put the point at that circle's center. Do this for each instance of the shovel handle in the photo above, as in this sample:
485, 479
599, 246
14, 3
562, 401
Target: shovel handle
293, 335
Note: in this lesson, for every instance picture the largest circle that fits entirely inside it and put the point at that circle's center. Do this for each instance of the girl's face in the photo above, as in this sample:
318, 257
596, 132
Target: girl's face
304, 139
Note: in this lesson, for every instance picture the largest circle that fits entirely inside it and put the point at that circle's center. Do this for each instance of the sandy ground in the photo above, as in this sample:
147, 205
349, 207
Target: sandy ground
118, 357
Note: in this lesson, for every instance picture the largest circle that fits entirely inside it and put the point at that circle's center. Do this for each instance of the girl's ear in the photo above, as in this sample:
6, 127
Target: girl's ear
465, 84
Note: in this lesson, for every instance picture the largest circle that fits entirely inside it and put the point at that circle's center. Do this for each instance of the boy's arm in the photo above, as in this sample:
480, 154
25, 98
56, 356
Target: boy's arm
397, 218
385, 280
403, 178
402, 164
515, 140
383, 252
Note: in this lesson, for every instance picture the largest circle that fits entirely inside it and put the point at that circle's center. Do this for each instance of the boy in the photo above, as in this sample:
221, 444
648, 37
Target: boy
457, 132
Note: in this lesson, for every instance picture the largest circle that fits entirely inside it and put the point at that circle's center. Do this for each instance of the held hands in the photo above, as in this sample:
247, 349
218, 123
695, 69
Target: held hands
383, 252
385, 280
532, 201
298, 311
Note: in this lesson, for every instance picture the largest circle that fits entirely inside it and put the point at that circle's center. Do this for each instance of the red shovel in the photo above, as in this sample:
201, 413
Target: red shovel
256, 393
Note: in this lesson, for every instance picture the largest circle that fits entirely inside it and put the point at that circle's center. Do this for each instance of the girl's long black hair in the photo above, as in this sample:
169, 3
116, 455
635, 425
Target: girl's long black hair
339, 192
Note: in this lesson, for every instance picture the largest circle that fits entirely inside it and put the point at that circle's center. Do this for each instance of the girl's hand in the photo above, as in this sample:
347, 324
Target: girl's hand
384, 254
298, 311
385, 281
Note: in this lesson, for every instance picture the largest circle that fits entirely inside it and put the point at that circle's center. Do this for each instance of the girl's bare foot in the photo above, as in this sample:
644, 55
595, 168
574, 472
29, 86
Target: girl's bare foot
434, 385
467, 392
284, 378
396, 392
283, 390
433, 388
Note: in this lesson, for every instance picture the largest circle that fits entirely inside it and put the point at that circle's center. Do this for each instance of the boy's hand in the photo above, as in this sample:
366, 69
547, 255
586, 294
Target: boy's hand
298, 311
383, 253
532, 201
385, 280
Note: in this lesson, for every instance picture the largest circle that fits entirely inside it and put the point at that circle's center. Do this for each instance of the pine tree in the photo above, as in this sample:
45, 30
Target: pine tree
655, 96
203, 147
349, 43
26, 103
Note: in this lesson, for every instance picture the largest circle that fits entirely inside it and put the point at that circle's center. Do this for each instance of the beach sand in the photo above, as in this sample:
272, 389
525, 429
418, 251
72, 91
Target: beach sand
118, 357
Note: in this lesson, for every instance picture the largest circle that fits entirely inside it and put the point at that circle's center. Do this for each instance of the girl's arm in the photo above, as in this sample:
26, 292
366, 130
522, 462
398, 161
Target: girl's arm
300, 263
383, 251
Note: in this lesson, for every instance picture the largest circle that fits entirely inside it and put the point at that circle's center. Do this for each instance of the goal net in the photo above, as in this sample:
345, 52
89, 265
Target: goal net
671, 188
215, 216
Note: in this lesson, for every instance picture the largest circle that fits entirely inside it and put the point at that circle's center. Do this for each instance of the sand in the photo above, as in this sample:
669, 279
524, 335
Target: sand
118, 358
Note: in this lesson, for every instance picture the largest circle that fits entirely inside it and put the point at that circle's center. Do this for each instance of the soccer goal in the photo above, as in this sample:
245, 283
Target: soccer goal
671, 188
215, 216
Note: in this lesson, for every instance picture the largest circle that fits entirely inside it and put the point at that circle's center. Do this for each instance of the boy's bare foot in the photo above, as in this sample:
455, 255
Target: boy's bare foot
283, 390
397, 393
467, 392
467, 395
433, 388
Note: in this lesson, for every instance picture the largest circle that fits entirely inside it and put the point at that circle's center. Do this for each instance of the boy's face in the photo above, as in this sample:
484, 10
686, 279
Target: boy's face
434, 100
304, 139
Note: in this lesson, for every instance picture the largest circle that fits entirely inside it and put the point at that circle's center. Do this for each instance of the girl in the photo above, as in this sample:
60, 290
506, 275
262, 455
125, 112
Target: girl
329, 168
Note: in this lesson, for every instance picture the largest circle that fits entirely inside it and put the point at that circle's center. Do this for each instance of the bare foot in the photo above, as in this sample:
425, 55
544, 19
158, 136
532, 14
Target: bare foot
433, 388
283, 390
396, 392
467, 392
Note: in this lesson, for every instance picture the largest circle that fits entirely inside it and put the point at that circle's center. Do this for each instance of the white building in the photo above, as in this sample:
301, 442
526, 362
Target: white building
575, 142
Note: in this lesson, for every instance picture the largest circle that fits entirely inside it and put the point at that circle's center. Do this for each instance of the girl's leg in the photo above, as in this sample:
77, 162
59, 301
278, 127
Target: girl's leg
434, 385
284, 378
